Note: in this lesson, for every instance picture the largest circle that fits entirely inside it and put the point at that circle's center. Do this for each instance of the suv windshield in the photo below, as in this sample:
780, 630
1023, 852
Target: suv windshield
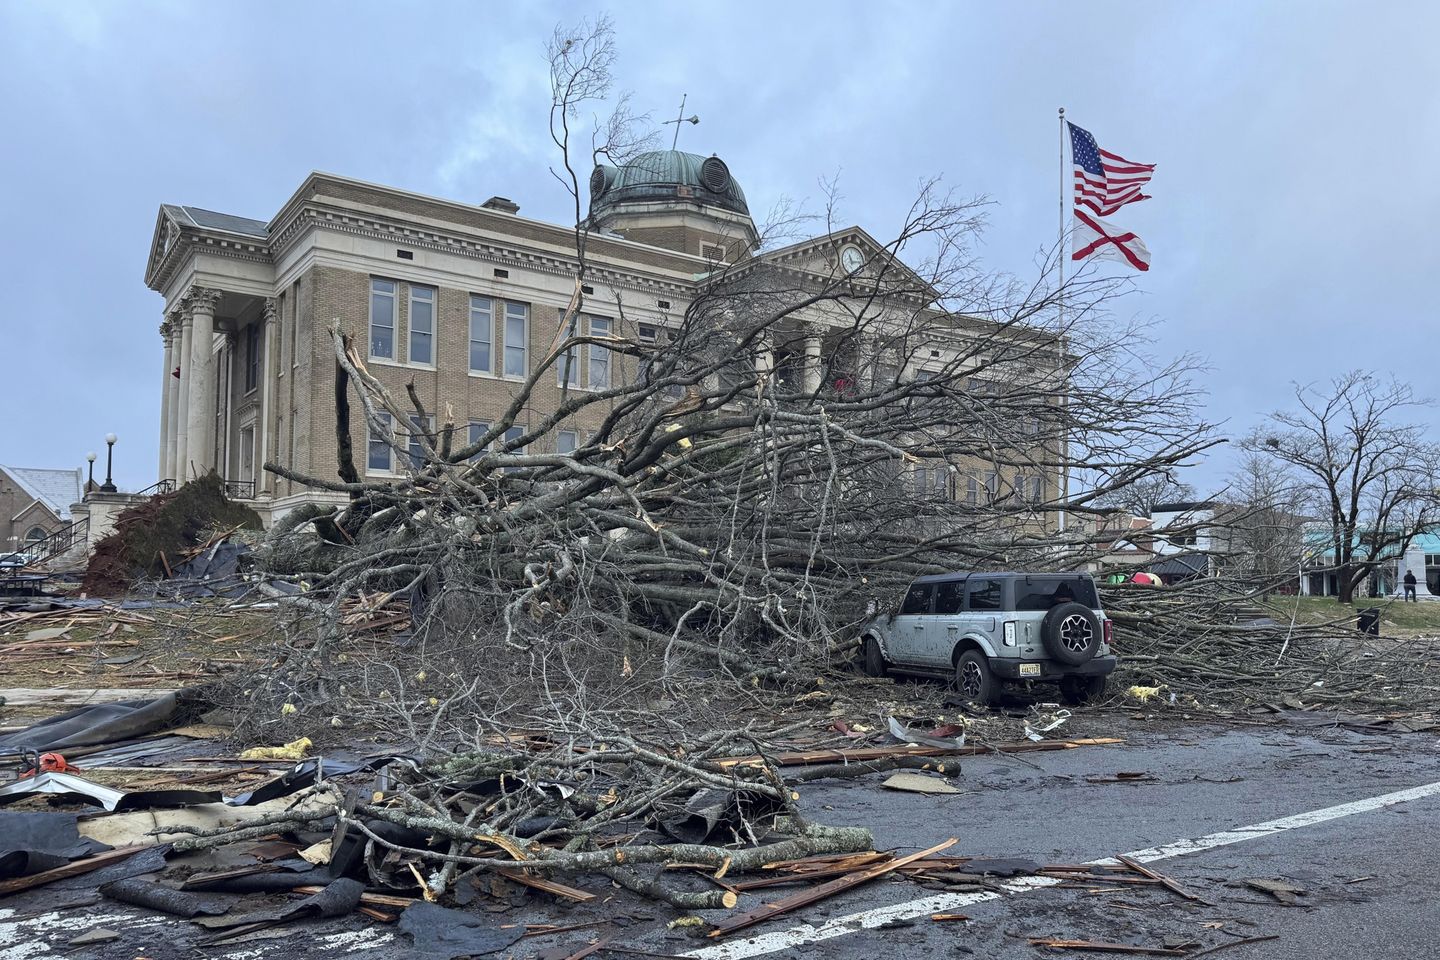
1042, 593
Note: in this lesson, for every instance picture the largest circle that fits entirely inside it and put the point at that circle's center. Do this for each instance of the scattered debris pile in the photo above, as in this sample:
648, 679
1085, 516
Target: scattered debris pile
1205, 640
169, 531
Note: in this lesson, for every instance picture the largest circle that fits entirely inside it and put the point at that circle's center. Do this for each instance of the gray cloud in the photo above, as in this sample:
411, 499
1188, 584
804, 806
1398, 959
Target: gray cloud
1291, 225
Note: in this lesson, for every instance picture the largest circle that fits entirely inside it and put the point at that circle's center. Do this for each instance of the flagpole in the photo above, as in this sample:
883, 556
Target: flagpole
1064, 467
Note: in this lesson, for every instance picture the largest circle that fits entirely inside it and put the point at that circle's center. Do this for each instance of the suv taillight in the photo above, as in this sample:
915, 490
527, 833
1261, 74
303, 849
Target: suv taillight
1110, 634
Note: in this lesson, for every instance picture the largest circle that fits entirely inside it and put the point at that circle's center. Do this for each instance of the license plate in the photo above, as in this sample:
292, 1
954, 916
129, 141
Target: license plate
1029, 669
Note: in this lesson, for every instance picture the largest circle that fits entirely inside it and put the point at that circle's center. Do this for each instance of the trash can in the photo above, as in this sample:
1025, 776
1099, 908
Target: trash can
1369, 621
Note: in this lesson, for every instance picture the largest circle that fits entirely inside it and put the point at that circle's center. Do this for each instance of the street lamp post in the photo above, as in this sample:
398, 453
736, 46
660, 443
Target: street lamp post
91, 484
109, 485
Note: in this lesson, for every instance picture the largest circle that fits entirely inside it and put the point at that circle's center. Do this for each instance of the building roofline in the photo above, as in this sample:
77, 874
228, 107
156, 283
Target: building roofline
500, 216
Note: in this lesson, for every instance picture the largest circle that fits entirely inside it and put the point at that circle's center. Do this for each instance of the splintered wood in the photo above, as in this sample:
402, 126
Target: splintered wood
806, 897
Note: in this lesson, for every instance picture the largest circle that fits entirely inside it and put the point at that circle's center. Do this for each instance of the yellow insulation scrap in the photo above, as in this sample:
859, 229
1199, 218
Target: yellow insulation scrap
294, 750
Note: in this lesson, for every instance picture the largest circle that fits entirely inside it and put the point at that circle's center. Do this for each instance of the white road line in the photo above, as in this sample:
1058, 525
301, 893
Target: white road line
948, 902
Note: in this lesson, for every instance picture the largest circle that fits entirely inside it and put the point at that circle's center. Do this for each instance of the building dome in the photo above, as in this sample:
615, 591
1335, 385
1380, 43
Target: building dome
665, 175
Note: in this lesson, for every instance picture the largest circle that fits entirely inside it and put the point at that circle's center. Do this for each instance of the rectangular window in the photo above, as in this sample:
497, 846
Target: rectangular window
517, 340
422, 324
1037, 489
1042, 593
567, 365
950, 596
247, 453
992, 485
419, 427
378, 454
382, 318
511, 435
649, 332
972, 490
478, 429
566, 442
984, 594
252, 357
599, 356
482, 332
917, 601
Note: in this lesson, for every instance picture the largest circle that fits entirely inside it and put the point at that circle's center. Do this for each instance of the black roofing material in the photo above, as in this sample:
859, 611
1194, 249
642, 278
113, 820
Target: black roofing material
34, 842
109, 722
154, 896
151, 860
339, 898
440, 932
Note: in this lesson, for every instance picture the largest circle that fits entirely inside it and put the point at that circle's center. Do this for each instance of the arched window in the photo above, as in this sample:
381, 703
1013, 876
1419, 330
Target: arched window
36, 534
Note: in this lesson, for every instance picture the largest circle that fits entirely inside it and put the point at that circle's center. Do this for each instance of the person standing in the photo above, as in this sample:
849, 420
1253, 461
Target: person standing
1410, 586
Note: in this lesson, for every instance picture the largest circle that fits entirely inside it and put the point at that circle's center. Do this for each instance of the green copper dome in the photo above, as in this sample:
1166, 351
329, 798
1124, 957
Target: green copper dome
665, 175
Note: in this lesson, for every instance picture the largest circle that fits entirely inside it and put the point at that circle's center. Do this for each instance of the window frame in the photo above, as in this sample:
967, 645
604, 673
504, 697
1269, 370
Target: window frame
959, 589
905, 610
599, 355
432, 333
372, 439
513, 432
478, 429
575, 445
252, 358
489, 341
414, 452
572, 355
394, 298
246, 452
970, 591
506, 346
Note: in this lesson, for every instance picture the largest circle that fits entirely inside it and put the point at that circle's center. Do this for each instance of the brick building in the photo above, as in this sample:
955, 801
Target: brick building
34, 503
462, 300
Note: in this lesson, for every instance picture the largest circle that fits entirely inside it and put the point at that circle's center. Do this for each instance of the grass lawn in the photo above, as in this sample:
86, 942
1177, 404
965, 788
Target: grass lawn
1396, 618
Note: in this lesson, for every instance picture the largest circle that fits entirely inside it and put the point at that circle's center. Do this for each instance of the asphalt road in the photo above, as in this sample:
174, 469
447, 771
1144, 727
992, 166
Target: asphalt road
1372, 889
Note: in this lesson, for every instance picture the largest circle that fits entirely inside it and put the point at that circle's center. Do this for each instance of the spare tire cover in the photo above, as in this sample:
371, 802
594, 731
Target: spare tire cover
1071, 633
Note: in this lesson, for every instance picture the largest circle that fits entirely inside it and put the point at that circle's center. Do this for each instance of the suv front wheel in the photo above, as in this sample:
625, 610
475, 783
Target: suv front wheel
974, 681
872, 661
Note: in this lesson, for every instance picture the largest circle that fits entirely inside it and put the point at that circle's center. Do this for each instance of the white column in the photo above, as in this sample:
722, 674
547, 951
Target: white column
200, 415
812, 364
165, 378
262, 439
182, 396
172, 388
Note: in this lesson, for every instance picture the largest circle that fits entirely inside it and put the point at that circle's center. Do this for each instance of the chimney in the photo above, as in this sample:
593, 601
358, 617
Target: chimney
503, 204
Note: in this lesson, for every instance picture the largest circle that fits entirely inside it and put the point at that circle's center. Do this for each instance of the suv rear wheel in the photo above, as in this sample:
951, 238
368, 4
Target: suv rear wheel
1077, 691
974, 681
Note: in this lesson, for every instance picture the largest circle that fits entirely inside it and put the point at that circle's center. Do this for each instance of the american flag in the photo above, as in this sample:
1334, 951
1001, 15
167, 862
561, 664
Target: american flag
1104, 181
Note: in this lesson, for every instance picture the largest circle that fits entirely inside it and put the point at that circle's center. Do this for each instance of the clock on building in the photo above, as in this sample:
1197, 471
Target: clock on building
851, 259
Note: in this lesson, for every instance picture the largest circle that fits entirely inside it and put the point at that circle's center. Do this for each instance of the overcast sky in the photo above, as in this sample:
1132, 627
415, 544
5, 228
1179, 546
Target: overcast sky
1292, 225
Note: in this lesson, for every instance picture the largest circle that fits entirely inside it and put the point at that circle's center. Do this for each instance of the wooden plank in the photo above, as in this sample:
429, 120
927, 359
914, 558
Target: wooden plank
1169, 884
1102, 947
806, 897
368, 899
528, 879
861, 754
76, 696
73, 869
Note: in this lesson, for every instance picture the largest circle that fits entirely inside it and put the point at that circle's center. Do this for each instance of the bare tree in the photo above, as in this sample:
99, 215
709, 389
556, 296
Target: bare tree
743, 500
1370, 473
1142, 496
1263, 522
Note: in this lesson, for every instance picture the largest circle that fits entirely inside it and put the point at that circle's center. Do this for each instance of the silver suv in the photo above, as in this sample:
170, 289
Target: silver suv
986, 629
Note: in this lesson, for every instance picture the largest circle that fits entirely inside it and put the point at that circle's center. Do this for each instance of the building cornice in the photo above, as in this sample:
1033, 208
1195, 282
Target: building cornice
317, 215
